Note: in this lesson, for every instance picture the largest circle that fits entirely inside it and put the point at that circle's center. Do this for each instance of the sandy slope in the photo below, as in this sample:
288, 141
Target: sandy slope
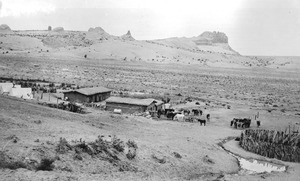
269, 85
98, 44
196, 144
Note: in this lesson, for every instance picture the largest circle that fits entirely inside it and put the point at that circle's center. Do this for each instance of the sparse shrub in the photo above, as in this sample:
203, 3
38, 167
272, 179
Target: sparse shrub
131, 144
37, 122
118, 144
132, 149
131, 154
125, 166
100, 144
83, 147
46, 164
159, 160
63, 146
177, 155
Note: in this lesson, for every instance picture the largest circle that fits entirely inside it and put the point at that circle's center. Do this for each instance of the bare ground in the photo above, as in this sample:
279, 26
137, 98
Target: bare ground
202, 158
273, 93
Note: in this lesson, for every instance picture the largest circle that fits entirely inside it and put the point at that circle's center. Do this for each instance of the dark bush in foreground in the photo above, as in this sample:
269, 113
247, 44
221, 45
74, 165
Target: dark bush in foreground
108, 150
132, 149
118, 144
46, 164
131, 143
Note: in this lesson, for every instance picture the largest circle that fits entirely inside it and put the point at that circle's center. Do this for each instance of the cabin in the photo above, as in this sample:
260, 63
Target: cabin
87, 95
131, 105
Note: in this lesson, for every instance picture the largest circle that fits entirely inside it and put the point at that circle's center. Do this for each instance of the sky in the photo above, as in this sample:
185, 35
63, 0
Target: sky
254, 27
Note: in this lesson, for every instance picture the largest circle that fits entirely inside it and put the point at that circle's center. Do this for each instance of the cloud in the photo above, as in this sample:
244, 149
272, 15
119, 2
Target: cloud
17, 8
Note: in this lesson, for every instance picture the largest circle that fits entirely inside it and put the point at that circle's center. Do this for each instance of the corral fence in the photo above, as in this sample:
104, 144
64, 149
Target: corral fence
282, 145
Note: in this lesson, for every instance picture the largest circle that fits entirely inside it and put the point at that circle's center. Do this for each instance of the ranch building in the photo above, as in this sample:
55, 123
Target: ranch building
131, 105
87, 95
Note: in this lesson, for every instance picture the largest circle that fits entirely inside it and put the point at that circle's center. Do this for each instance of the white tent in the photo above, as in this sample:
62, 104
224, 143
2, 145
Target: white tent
25, 93
5, 87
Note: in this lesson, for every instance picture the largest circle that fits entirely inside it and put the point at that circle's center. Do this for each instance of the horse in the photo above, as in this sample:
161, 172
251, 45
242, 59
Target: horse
197, 112
208, 117
186, 112
171, 115
241, 123
202, 121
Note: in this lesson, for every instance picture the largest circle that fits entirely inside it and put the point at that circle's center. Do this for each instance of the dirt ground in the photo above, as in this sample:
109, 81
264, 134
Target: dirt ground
201, 157
167, 150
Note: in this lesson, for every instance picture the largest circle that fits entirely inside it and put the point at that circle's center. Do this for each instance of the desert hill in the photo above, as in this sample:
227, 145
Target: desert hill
215, 42
209, 49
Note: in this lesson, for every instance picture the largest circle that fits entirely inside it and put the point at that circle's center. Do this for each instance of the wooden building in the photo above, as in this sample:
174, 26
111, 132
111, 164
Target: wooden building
93, 94
131, 105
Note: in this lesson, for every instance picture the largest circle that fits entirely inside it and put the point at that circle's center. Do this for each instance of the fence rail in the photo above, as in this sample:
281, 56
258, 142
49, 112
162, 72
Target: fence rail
273, 144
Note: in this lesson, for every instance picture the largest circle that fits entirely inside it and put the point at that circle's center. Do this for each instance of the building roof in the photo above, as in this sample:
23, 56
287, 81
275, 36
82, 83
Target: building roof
90, 90
132, 101
158, 102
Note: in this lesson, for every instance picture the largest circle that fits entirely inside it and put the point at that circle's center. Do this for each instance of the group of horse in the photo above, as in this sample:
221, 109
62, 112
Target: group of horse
187, 115
241, 123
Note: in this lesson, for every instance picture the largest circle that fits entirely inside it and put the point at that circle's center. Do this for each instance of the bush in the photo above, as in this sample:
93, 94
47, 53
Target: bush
63, 146
46, 164
118, 144
131, 154
177, 155
132, 149
131, 143
125, 166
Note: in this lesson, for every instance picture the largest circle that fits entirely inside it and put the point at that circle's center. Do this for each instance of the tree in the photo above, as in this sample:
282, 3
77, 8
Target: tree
49, 28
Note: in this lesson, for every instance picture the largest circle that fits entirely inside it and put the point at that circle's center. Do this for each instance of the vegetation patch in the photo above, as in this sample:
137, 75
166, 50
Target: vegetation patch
9, 163
111, 150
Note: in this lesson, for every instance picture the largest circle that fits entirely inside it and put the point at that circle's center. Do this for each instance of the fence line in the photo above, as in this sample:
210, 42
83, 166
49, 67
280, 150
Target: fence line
273, 144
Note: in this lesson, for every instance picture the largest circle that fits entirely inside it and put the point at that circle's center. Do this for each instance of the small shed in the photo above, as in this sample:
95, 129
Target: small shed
130, 105
91, 94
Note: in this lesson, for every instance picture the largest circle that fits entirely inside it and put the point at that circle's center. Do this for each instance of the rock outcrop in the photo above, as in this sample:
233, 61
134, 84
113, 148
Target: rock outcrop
127, 36
98, 33
97, 30
4, 28
58, 29
209, 38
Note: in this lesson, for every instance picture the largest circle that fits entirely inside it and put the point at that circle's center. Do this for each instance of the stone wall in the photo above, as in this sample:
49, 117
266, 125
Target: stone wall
273, 144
